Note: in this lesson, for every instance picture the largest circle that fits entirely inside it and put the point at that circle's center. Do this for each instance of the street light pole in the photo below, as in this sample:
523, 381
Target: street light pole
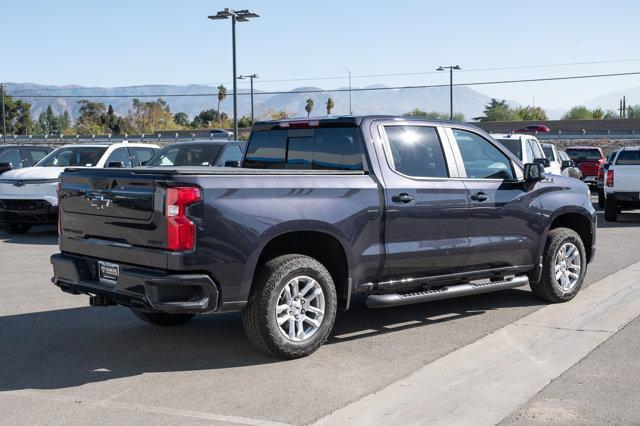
250, 77
349, 72
450, 68
4, 122
236, 16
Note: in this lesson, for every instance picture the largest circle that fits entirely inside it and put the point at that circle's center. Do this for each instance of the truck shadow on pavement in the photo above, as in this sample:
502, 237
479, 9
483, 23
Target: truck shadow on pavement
625, 220
71, 347
37, 236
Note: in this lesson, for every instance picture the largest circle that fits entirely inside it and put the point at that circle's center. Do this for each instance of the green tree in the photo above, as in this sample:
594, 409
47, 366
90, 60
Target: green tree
633, 111
435, 115
578, 113
279, 115
244, 121
222, 93
47, 122
17, 116
498, 110
330, 105
91, 118
309, 106
530, 113
65, 121
597, 113
150, 117
181, 119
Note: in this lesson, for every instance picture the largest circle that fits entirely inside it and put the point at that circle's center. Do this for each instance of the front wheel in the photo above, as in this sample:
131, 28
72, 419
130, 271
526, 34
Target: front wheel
564, 265
162, 318
291, 308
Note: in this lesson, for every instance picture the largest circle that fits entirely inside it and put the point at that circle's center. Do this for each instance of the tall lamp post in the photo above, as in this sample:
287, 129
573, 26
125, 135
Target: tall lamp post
4, 122
450, 68
250, 77
349, 72
236, 16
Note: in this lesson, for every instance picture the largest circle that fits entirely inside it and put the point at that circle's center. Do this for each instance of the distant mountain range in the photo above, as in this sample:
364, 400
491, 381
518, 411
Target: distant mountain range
377, 99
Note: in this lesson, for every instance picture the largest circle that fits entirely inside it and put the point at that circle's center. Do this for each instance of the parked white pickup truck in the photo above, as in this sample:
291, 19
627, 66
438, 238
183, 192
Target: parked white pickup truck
28, 195
528, 149
622, 183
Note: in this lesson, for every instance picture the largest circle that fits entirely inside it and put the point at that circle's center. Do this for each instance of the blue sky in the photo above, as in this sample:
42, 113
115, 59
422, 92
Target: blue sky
132, 42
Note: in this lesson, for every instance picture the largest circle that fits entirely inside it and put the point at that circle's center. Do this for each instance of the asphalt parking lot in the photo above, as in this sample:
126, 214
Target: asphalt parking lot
63, 361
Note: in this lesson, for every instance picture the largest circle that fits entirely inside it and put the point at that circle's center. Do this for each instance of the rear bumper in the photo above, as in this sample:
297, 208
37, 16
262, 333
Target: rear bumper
27, 211
142, 289
627, 200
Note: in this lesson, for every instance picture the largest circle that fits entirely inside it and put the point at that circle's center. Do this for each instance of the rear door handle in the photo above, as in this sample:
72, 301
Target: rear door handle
480, 196
402, 198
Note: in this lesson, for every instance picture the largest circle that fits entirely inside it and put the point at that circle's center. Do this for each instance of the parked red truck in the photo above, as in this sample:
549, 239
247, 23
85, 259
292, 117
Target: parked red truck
588, 159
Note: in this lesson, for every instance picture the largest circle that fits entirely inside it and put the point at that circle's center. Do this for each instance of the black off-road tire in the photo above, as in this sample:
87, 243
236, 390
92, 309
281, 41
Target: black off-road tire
547, 288
259, 318
162, 318
610, 211
16, 228
601, 198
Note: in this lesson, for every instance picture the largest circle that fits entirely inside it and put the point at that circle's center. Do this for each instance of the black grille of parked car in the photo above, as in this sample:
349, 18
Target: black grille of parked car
17, 205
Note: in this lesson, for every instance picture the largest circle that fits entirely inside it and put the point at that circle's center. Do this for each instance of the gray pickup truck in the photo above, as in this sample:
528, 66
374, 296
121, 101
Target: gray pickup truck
400, 210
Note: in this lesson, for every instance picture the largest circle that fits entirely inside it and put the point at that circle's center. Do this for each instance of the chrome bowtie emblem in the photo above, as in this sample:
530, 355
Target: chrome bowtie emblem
99, 201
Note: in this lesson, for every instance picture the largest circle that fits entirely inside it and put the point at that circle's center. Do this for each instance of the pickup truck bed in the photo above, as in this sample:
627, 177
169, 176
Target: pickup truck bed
401, 210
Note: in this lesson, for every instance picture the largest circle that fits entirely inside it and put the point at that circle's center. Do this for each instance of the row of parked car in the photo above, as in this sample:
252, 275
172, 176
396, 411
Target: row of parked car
30, 174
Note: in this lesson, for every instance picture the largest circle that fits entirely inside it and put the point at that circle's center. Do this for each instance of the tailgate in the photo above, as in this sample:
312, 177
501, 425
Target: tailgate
626, 178
589, 168
103, 213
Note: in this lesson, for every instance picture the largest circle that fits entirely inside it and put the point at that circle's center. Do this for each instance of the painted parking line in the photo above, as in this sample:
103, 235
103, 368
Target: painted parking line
485, 381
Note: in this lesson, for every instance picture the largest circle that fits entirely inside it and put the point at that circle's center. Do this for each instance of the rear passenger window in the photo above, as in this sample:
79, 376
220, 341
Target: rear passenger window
119, 155
144, 154
481, 159
231, 153
416, 151
318, 149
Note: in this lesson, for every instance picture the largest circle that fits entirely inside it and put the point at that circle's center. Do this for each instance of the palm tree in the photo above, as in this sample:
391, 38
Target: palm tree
309, 106
222, 93
330, 105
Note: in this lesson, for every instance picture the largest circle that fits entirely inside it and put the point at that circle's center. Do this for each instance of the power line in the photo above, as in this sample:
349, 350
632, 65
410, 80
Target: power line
402, 74
362, 89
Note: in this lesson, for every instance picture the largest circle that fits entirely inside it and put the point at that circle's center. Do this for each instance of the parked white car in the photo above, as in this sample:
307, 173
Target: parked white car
551, 152
622, 183
527, 148
28, 195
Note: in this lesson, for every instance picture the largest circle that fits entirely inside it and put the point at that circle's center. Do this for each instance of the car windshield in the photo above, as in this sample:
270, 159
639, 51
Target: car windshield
584, 154
83, 156
548, 152
186, 155
628, 158
513, 145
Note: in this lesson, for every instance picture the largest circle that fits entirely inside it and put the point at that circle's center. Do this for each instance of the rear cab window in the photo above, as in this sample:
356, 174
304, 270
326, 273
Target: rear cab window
628, 158
584, 154
321, 148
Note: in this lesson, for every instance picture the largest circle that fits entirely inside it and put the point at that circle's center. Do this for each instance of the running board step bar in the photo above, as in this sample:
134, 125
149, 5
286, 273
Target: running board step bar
448, 292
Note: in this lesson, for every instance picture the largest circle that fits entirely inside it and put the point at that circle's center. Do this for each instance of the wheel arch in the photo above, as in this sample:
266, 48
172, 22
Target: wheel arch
579, 221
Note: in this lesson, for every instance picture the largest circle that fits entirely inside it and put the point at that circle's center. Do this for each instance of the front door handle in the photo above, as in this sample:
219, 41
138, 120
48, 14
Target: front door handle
402, 198
480, 196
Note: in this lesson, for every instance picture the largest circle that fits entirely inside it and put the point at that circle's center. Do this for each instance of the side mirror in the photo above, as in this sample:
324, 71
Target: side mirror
566, 163
5, 167
232, 164
544, 161
533, 172
144, 163
606, 166
115, 164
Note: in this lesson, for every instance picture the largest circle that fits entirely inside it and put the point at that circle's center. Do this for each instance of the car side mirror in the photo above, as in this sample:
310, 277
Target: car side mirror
544, 161
144, 163
606, 166
534, 172
232, 164
567, 163
115, 164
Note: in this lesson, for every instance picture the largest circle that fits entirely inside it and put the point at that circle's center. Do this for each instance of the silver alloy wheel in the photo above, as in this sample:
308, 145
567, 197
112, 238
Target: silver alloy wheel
567, 266
300, 308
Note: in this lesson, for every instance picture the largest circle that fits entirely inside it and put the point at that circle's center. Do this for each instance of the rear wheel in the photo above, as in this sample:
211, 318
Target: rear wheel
162, 318
610, 211
564, 265
292, 307
16, 228
601, 198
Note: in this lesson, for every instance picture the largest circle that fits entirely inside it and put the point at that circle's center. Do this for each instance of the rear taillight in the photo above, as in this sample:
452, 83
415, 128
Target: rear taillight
600, 173
58, 193
181, 232
610, 178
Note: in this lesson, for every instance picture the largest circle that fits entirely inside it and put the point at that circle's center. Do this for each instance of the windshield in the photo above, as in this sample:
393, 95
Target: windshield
548, 152
186, 155
583, 154
513, 145
83, 156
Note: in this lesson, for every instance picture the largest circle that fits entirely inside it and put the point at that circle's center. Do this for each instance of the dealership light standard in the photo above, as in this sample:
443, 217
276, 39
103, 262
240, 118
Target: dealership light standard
239, 16
450, 68
250, 77
349, 72
4, 123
